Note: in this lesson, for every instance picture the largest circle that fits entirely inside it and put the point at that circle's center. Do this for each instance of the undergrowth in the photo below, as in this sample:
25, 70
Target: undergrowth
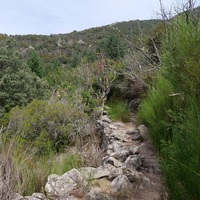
24, 172
119, 111
172, 110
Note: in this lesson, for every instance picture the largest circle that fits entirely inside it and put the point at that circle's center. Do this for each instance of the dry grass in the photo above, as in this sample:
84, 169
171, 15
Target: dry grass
91, 152
16, 173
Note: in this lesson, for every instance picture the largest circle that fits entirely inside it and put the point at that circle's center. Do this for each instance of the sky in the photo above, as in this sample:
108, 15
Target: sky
64, 16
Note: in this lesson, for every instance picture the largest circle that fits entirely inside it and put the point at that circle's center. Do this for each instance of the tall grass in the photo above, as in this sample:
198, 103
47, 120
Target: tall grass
172, 109
119, 111
23, 171
154, 110
181, 158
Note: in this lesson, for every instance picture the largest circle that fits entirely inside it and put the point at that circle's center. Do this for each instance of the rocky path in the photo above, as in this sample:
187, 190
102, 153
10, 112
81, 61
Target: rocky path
141, 161
129, 170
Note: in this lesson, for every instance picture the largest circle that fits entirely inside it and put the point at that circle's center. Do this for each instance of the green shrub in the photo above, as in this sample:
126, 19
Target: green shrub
181, 160
174, 120
18, 85
153, 111
119, 111
48, 126
180, 55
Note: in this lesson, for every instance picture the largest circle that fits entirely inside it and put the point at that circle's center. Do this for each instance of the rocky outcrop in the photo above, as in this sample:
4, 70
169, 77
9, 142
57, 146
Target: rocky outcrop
129, 169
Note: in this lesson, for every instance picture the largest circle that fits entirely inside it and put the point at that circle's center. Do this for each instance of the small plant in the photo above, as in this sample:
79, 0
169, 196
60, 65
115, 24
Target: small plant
64, 162
119, 111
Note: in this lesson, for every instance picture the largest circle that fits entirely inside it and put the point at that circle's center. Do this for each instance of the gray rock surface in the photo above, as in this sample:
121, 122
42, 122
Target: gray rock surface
94, 195
58, 186
133, 162
121, 184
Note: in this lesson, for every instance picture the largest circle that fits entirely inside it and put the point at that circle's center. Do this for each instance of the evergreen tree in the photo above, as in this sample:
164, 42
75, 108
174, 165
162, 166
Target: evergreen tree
34, 63
112, 47
18, 85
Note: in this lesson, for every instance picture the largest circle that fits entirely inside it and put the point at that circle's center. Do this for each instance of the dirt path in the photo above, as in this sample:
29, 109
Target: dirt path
128, 137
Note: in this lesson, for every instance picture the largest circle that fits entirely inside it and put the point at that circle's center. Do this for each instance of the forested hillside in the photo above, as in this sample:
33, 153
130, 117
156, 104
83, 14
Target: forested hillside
69, 48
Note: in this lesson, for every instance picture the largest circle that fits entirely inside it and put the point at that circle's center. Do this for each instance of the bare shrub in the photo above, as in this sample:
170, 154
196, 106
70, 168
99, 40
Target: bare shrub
91, 151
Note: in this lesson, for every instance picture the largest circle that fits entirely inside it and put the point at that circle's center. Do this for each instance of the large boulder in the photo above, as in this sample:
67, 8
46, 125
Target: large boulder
121, 184
62, 186
133, 162
95, 173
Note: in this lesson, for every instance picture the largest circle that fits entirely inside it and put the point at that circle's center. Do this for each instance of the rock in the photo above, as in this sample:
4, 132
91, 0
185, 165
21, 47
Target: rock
16, 196
35, 196
117, 176
143, 131
28, 198
112, 127
94, 195
142, 180
132, 132
58, 186
121, 155
109, 152
116, 146
135, 134
133, 162
89, 173
115, 173
112, 161
144, 149
39, 196
103, 171
107, 131
130, 174
115, 136
121, 184
106, 119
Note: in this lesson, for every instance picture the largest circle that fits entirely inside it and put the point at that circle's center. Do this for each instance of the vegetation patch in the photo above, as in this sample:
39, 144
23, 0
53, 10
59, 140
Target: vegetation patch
171, 109
119, 111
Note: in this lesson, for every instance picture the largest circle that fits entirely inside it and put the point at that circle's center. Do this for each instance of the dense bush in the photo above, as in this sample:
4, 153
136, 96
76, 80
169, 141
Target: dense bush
18, 85
48, 126
154, 110
112, 47
171, 109
181, 155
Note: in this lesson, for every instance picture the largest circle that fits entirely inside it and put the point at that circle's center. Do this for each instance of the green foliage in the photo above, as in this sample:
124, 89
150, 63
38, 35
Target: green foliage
66, 161
34, 63
181, 161
112, 47
47, 126
154, 110
180, 55
119, 111
55, 74
174, 120
18, 85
